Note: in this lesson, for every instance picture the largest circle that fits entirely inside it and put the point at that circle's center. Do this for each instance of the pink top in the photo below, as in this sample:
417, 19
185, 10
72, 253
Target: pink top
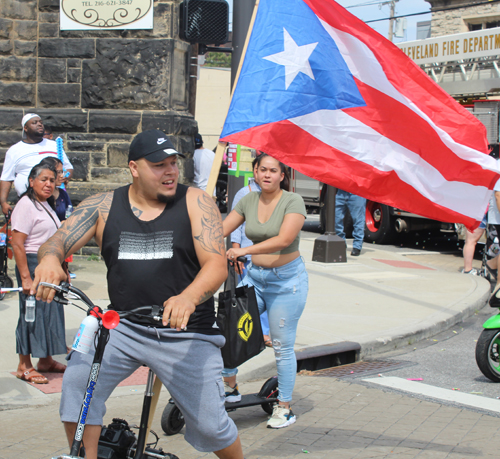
35, 222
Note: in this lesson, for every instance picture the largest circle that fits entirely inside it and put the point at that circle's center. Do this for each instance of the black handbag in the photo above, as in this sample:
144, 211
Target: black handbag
239, 320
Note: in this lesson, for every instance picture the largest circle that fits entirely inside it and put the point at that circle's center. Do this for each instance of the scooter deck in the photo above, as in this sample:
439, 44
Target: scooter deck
249, 400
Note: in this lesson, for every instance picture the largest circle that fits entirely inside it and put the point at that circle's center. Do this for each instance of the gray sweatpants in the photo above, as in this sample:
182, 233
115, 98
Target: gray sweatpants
189, 364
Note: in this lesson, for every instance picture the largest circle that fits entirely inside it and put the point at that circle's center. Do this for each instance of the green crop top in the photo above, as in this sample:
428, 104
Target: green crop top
289, 203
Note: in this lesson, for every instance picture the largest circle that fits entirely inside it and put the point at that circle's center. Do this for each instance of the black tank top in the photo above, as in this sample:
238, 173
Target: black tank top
148, 262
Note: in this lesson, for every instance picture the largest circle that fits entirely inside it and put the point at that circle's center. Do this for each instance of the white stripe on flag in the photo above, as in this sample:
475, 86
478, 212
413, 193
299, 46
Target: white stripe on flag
370, 72
368, 146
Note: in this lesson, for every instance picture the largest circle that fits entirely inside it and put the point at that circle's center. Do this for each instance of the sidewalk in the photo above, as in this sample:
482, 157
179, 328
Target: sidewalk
381, 300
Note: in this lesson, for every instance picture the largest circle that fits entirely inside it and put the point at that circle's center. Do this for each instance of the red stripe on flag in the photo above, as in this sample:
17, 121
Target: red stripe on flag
403, 126
315, 159
407, 77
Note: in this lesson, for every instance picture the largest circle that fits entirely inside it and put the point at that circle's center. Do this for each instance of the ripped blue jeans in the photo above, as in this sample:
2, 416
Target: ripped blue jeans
282, 292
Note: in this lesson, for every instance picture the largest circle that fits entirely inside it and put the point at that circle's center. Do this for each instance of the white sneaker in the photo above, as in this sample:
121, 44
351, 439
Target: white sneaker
281, 417
473, 271
232, 394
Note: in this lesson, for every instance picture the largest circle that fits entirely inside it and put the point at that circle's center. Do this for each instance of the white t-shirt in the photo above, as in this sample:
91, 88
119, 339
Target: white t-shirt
203, 159
35, 222
22, 157
493, 212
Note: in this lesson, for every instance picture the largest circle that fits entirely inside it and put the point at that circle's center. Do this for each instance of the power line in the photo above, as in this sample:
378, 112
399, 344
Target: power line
401, 16
377, 2
435, 11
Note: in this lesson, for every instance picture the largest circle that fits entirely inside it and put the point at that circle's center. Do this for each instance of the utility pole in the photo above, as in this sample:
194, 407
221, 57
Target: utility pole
392, 4
242, 15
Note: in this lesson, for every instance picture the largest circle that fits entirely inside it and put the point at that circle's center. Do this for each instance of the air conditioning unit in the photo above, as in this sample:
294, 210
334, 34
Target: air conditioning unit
204, 21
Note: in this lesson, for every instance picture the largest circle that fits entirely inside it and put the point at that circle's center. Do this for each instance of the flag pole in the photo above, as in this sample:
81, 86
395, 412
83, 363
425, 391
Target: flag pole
221, 146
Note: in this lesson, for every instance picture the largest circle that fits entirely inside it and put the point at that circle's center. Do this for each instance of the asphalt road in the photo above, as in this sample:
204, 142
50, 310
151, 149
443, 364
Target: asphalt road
447, 360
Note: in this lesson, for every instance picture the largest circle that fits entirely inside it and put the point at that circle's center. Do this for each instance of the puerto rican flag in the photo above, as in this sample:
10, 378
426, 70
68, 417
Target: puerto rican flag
327, 95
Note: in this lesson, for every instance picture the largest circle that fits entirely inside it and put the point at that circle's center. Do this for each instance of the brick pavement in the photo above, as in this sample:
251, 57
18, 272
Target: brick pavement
336, 419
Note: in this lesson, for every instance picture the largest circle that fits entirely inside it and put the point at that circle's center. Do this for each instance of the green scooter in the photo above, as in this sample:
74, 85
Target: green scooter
488, 344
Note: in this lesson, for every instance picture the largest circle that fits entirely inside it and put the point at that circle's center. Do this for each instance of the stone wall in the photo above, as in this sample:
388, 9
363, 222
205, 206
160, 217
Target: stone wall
452, 21
96, 89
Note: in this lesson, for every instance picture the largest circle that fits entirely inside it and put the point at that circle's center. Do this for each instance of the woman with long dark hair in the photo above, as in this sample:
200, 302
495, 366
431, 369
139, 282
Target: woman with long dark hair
61, 197
274, 218
33, 222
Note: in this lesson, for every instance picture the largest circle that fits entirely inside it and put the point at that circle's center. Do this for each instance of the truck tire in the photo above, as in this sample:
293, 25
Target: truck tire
379, 227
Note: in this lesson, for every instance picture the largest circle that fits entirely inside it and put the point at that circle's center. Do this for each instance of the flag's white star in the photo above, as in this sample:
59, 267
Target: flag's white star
295, 59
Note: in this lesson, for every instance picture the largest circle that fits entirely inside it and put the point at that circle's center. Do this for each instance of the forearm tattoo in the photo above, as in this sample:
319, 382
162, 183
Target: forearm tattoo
206, 296
83, 218
211, 237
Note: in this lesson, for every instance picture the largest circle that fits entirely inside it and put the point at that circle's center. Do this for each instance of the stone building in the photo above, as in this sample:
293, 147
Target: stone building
96, 89
458, 16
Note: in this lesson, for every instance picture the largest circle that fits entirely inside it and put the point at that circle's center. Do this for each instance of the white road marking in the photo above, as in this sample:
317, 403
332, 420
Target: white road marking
439, 393
380, 275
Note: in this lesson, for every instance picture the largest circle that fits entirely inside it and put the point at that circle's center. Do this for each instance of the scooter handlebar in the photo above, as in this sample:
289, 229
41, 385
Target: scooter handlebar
64, 288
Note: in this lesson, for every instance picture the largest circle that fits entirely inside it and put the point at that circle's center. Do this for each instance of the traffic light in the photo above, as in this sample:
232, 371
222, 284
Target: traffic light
204, 21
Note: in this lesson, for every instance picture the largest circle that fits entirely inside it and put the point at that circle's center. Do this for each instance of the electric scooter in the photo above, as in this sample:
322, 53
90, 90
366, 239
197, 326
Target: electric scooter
488, 344
117, 441
172, 419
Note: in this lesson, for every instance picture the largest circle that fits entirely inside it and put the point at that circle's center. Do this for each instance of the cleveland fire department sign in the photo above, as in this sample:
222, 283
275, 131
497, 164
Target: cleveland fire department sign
106, 14
468, 45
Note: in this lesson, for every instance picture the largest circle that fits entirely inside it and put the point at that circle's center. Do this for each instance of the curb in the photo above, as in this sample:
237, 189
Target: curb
410, 337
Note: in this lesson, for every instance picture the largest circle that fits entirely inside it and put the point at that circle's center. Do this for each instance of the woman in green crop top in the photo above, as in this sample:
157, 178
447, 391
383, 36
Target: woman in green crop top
274, 218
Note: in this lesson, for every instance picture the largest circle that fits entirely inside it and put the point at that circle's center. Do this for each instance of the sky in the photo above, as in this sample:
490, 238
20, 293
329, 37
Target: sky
373, 11
403, 7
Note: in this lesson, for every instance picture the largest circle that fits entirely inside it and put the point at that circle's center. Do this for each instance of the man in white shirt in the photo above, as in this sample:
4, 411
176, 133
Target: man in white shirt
24, 155
203, 159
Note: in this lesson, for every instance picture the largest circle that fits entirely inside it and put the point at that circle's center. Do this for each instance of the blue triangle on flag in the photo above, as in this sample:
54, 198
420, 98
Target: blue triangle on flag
262, 95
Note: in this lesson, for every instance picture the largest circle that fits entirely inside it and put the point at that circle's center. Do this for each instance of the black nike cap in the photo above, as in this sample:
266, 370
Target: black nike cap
152, 145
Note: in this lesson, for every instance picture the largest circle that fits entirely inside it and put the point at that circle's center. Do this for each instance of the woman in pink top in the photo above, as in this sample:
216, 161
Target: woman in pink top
33, 222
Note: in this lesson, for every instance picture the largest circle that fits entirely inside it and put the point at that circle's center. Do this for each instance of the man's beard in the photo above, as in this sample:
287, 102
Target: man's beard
35, 136
165, 199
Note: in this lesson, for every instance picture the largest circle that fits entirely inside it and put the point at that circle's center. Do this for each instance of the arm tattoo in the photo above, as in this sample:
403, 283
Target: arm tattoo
81, 221
211, 237
206, 296
137, 212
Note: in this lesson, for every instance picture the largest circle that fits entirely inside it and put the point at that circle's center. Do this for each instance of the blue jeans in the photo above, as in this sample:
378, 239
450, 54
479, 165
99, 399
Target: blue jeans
264, 319
282, 292
357, 208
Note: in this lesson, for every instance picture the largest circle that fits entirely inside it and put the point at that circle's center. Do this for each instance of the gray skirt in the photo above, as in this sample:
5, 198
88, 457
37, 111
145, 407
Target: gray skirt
46, 335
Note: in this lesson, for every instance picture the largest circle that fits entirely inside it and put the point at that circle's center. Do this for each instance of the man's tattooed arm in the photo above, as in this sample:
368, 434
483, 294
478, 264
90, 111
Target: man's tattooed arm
80, 226
211, 236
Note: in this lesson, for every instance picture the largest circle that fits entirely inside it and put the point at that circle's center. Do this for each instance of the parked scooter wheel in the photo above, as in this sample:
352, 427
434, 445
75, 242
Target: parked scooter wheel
172, 419
488, 354
269, 389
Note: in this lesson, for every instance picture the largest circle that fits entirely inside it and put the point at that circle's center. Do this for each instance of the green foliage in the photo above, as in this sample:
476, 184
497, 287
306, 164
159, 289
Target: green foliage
221, 60
94, 257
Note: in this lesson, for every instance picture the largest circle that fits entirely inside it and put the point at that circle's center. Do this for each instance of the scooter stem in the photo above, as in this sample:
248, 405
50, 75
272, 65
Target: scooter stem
143, 429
